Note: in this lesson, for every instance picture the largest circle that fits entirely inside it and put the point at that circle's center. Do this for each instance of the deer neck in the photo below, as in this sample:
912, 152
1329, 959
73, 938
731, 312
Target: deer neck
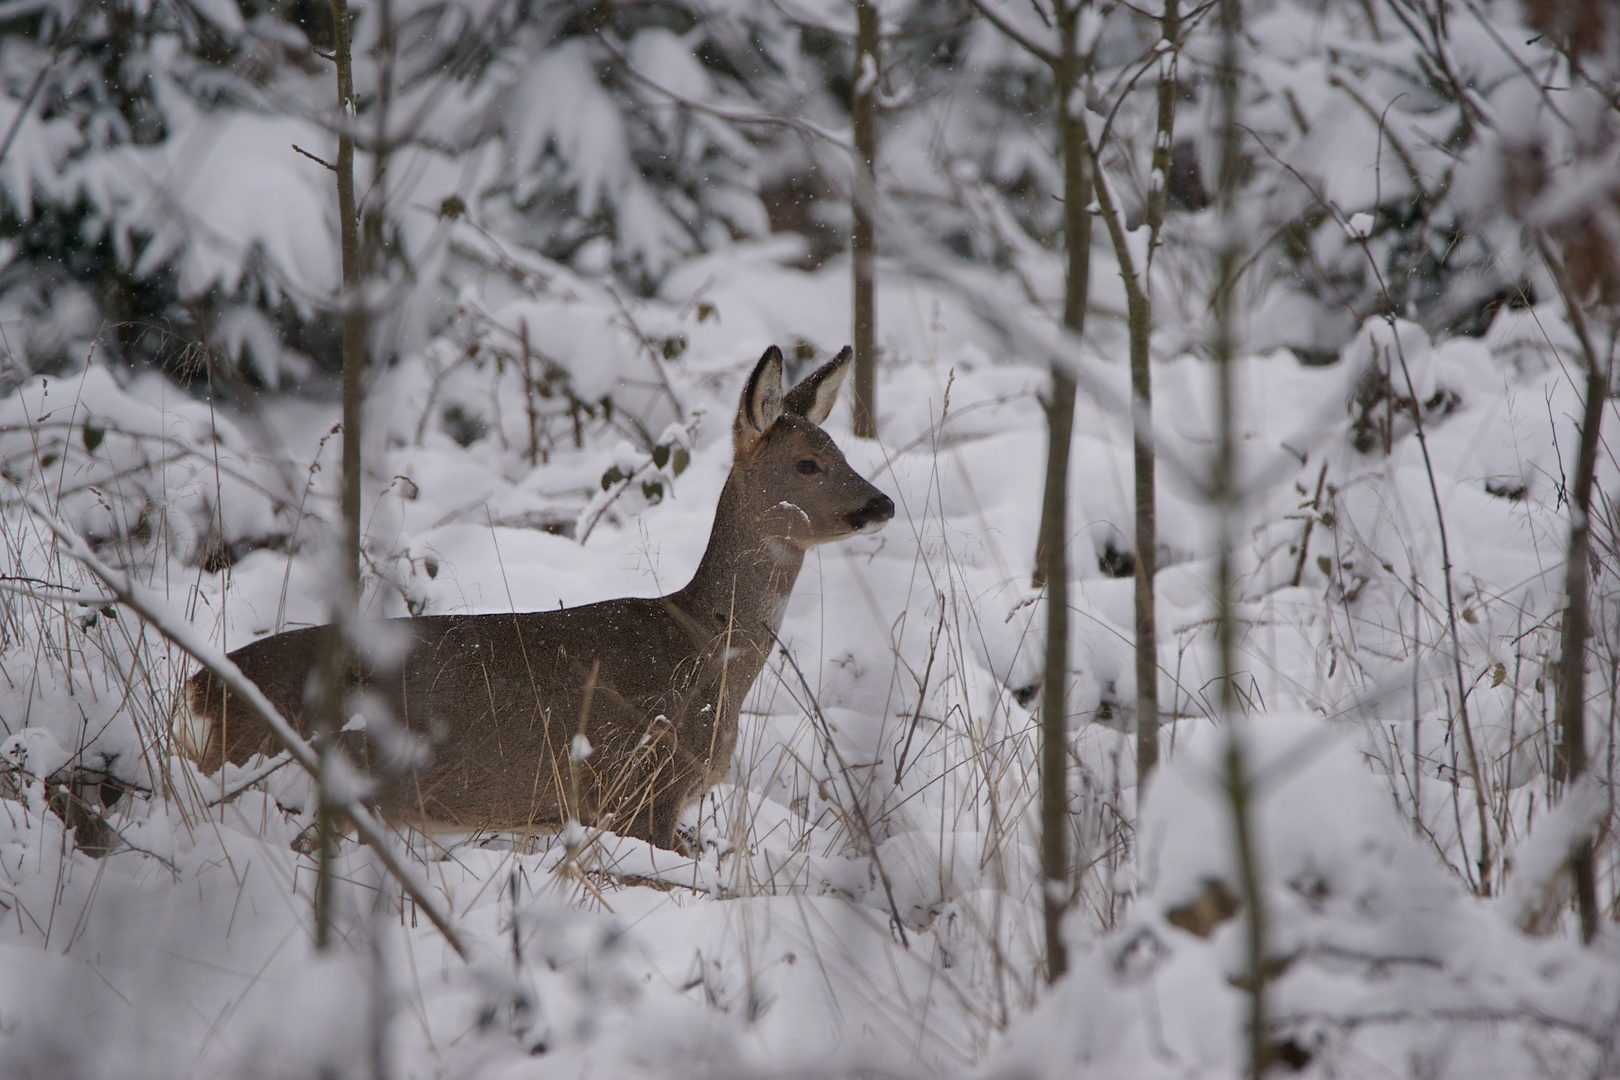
746, 574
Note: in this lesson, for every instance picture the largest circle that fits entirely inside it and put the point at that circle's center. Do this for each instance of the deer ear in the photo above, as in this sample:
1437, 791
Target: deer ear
761, 402
813, 398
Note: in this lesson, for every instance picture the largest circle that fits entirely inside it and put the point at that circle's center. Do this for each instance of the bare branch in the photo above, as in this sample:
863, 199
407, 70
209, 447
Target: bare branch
1028, 44
322, 162
735, 116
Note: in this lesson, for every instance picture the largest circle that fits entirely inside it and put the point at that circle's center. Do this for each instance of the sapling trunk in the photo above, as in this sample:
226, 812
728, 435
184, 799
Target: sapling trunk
1139, 314
1146, 553
1054, 688
1165, 124
1570, 761
334, 672
1139, 311
1077, 196
863, 114
1051, 556
1224, 493
1141, 330
354, 314
1069, 65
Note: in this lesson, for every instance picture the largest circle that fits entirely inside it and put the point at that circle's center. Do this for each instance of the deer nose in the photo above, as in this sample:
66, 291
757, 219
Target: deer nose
873, 516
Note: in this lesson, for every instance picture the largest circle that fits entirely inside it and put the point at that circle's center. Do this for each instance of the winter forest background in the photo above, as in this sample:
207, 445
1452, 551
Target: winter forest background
1364, 253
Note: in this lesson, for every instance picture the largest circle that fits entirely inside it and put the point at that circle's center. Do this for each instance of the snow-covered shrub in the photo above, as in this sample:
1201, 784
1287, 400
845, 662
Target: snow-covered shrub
163, 187
142, 468
1380, 958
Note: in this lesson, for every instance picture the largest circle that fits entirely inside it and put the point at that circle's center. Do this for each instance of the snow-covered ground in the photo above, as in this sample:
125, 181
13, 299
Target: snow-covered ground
865, 900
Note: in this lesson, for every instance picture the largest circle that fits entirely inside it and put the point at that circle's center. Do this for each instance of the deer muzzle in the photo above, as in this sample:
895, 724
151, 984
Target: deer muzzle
873, 516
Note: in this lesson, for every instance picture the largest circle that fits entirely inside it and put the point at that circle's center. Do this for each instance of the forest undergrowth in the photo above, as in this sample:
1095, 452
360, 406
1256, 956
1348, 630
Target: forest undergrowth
866, 876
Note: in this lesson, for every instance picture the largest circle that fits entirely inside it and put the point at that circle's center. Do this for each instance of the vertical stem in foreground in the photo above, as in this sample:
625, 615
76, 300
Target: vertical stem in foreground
1415, 411
383, 1005
1051, 555
1077, 195
529, 394
334, 674
863, 115
1139, 314
1224, 490
354, 315
1054, 685
1147, 540
1570, 762
1141, 330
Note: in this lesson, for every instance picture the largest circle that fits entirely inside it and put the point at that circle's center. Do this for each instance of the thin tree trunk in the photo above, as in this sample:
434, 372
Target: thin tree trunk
1054, 686
1141, 331
863, 113
1165, 128
1077, 195
354, 315
1069, 67
1224, 491
335, 670
1139, 312
1570, 761
1052, 568
1147, 541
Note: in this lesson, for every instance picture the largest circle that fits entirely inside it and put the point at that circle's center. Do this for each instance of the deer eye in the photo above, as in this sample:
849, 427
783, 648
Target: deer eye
808, 466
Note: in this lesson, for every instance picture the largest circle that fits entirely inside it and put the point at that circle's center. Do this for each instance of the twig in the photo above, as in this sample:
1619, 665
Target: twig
922, 692
1416, 409
735, 116
319, 161
1025, 42
27, 104
38, 589
646, 344
1310, 522
279, 762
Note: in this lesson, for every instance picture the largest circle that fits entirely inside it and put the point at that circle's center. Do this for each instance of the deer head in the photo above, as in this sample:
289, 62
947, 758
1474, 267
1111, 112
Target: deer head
791, 477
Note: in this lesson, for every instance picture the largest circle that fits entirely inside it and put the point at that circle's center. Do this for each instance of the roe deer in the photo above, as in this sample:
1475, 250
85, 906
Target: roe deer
655, 685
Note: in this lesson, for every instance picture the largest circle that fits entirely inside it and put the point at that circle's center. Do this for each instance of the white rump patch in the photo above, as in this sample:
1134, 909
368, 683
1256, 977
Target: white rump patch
190, 730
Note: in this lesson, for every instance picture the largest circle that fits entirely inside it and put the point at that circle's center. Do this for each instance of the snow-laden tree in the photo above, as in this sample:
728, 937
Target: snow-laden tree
1368, 113
163, 177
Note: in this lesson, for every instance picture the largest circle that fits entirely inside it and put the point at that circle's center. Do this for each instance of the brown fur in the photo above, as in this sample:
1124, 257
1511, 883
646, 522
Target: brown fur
497, 699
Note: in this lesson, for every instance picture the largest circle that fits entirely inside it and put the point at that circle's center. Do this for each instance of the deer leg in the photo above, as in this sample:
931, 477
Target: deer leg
666, 818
